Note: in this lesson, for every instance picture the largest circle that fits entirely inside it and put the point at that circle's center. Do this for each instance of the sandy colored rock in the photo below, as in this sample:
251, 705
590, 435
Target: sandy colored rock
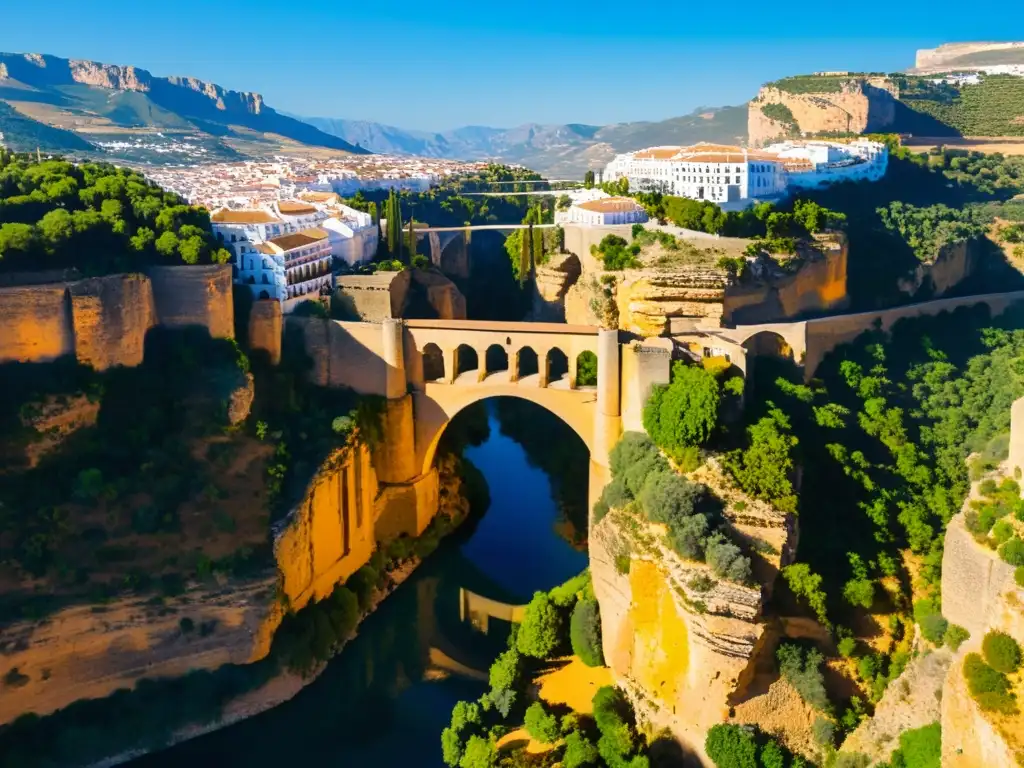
266, 329
240, 401
781, 712
55, 419
863, 105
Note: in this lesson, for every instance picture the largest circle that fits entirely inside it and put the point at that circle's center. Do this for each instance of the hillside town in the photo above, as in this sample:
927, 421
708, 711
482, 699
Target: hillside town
242, 184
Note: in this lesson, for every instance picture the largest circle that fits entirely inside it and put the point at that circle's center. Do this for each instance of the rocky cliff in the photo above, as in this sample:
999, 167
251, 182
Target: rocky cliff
847, 105
952, 265
684, 642
103, 321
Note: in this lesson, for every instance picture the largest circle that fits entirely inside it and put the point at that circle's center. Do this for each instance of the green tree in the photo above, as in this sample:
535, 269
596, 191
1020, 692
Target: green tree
731, 746
586, 369
540, 633
803, 582
541, 724
585, 632
588, 180
479, 753
682, 414
167, 245
580, 752
1001, 652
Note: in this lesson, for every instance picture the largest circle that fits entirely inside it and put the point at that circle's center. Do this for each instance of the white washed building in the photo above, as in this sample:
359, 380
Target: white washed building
603, 211
735, 177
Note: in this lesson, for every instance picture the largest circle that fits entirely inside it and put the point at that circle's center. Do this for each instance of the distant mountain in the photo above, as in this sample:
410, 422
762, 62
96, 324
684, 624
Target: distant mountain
105, 104
556, 150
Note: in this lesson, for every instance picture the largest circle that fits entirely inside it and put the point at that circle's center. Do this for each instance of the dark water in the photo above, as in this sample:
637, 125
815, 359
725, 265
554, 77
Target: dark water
385, 699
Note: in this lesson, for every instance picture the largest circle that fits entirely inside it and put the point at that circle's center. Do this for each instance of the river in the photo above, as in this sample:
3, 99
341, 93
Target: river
385, 698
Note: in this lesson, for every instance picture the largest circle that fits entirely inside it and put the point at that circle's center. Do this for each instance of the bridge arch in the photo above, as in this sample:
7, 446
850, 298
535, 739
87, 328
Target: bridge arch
433, 363
769, 344
526, 363
496, 362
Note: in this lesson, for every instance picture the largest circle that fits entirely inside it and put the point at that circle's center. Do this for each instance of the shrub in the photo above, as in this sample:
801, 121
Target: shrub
541, 724
479, 754
631, 448
763, 469
580, 752
1001, 652
685, 412
824, 732
1018, 576
1002, 531
725, 559
1012, 552
847, 646
615, 495
539, 634
622, 561
612, 713
955, 636
802, 670
805, 583
1002, 703
688, 535
506, 671
981, 678
566, 594
933, 625
363, 583
731, 746
920, 748
771, 755
668, 498
585, 633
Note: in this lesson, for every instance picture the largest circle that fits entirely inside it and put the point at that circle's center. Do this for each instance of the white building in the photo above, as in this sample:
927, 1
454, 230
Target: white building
285, 250
603, 211
735, 177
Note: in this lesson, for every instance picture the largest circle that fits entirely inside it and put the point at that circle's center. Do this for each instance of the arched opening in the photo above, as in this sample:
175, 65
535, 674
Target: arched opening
466, 360
558, 366
495, 360
586, 369
264, 295
768, 344
433, 363
526, 364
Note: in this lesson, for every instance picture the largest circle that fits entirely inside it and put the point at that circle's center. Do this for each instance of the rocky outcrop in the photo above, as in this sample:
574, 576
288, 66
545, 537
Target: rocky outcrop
91, 651
952, 265
103, 321
54, 420
970, 738
684, 641
860, 105
240, 400
553, 281
109, 75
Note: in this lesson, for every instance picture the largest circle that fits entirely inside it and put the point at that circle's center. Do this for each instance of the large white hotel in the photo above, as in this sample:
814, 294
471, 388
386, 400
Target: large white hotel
286, 250
736, 177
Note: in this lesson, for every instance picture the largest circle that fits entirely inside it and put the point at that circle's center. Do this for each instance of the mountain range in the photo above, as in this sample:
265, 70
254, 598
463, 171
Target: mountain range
78, 105
562, 150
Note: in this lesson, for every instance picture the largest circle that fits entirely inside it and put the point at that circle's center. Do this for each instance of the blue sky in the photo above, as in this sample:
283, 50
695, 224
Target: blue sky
440, 64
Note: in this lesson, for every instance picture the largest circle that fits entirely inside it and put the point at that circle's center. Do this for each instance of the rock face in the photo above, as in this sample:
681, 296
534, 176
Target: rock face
953, 264
55, 420
683, 641
89, 652
553, 281
103, 321
414, 292
862, 105
266, 329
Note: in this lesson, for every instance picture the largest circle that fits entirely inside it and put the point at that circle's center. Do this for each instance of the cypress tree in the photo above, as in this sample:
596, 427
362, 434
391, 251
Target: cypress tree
524, 255
412, 242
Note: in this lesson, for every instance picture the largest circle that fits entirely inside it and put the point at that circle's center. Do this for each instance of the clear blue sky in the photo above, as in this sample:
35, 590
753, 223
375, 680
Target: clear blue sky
438, 64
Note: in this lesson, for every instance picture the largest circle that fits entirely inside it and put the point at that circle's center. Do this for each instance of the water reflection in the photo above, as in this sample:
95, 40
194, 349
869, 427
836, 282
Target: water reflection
385, 699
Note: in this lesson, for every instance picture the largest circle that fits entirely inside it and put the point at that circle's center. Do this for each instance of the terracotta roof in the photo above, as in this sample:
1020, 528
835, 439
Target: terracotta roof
225, 216
657, 153
320, 197
290, 208
265, 248
610, 205
299, 239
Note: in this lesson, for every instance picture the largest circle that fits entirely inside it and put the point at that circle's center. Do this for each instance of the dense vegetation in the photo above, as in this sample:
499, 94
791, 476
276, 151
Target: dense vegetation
991, 107
95, 218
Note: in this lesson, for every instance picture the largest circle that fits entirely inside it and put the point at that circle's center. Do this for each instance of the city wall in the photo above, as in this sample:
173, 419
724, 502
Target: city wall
103, 321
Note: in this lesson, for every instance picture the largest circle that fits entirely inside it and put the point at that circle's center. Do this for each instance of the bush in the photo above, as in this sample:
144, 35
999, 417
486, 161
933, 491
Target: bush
1018, 576
479, 754
687, 537
540, 633
803, 671
363, 583
1002, 531
920, 748
955, 636
612, 714
541, 724
1012, 552
725, 559
622, 561
506, 671
615, 495
763, 469
933, 625
585, 633
847, 646
668, 498
684, 413
981, 678
731, 746
824, 732
1001, 652
580, 752
771, 755
633, 458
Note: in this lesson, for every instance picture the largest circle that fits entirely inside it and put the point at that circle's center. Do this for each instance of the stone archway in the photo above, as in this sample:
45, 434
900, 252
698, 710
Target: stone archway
768, 344
433, 363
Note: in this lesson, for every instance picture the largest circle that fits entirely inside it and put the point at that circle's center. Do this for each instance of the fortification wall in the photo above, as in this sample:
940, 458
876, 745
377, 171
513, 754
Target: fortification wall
36, 322
194, 295
111, 316
103, 321
343, 354
266, 328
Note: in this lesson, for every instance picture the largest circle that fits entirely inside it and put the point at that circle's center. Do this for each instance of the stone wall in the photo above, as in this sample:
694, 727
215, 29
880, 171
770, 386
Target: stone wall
266, 328
343, 354
103, 321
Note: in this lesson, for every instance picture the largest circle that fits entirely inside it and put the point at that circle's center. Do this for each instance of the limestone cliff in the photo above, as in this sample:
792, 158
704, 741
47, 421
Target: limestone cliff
103, 321
54, 420
953, 264
91, 651
553, 281
683, 641
980, 594
854, 105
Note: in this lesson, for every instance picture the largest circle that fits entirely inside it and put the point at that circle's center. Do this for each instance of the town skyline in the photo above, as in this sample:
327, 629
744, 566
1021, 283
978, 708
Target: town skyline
456, 66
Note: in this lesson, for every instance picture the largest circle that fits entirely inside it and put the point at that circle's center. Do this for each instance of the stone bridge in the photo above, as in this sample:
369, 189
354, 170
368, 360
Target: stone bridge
430, 370
450, 246
807, 342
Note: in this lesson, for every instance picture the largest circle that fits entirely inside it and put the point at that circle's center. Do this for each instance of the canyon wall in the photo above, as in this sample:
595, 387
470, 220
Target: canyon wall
90, 651
266, 329
103, 321
953, 264
861, 105
686, 654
